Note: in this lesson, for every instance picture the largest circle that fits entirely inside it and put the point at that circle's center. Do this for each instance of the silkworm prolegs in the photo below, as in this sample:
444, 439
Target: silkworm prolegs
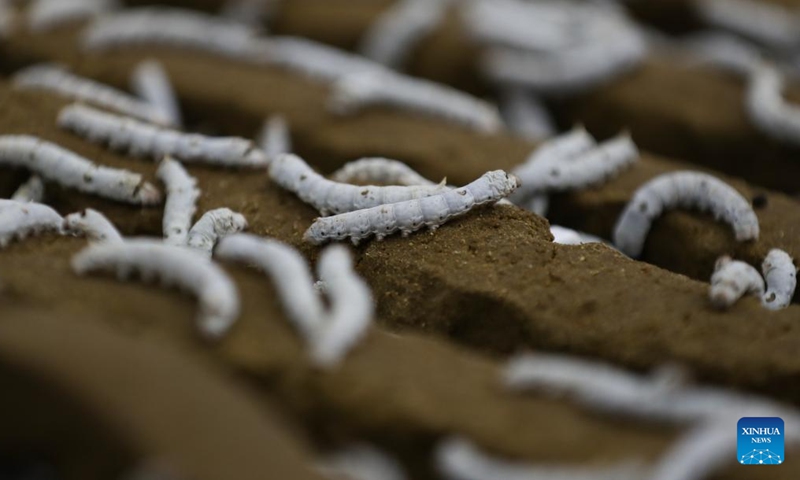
18, 220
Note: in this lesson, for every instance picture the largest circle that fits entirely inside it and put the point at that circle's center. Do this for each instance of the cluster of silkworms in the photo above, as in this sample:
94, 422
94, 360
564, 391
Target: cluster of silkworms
733, 279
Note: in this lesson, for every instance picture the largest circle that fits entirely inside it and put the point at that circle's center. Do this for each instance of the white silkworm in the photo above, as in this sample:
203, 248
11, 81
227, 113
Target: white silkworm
722, 51
181, 204
151, 82
213, 226
526, 115
390, 39
30, 191
274, 138
361, 90
412, 215
567, 236
764, 22
145, 140
48, 14
781, 276
58, 80
292, 173
458, 459
378, 170
68, 169
363, 462
316, 60
216, 292
732, 279
330, 334
767, 108
18, 220
699, 453
685, 190
93, 225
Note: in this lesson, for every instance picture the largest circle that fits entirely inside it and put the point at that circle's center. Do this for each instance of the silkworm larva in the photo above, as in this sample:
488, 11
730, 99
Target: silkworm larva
412, 215
781, 276
212, 226
93, 225
316, 60
145, 140
767, 23
399, 29
151, 82
30, 191
685, 190
705, 449
181, 204
732, 279
292, 173
274, 138
566, 236
767, 108
68, 169
526, 115
723, 51
56, 79
382, 171
362, 462
48, 14
458, 459
216, 292
18, 220
361, 90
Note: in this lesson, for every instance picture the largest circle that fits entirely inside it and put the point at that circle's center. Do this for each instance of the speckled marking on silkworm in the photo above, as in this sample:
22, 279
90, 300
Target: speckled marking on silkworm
732, 279
141, 139
292, 173
93, 225
683, 190
68, 169
212, 226
181, 204
412, 215
781, 276
18, 220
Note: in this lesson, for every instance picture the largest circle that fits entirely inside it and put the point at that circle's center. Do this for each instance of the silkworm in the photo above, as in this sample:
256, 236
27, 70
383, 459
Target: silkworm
767, 108
732, 279
56, 79
361, 90
363, 462
458, 459
767, 23
292, 173
93, 225
723, 51
684, 190
68, 169
274, 138
18, 220
30, 191
212, 226
382, 171
315, 60
699, 453
781, 276
412, 215
526, 115
392, 36
151, 82
48, 14
181, 204
566, 236
215, 291
145, 140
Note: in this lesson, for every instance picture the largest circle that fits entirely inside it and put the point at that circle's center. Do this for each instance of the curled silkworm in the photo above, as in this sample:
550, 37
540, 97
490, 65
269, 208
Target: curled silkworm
781, 276
212, 226
56, 79
767, 108
378, 170
93, 225
361, 90
30, 191
68, 169
412, 215
181, 204
216, 292
363, 462
566, 236
18, 220
765, 22
151, 82
526, 115
458, 459
274, 138
145, 140
292, 173
390, 39
732, 279
48, 14
684, 190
